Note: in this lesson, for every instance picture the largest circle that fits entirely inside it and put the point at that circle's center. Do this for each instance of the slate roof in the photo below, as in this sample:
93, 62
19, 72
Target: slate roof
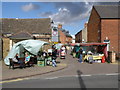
107, 11
40, 25
21, 35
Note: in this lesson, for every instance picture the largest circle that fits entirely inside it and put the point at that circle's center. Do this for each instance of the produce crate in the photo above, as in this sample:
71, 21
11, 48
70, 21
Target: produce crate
41, 63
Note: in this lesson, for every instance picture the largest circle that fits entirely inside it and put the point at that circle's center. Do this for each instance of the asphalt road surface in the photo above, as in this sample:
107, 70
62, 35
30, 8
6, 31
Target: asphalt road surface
96, 81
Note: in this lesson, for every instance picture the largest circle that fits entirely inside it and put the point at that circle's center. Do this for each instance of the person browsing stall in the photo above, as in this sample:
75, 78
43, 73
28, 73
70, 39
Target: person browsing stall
16, 59
27, 58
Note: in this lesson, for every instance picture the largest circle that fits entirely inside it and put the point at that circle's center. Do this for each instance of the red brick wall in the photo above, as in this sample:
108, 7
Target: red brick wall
94, 27
78, 37
62, 37
109, 28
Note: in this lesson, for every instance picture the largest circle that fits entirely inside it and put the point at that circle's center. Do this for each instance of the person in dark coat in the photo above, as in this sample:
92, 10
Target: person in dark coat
54, 56
80, 58
19, 61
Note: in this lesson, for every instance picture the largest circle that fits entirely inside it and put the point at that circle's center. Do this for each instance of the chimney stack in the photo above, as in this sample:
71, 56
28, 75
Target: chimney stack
59, 26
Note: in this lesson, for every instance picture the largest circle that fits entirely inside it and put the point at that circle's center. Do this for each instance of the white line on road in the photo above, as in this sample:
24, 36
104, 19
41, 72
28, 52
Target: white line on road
112, 74
52, 78
86, 75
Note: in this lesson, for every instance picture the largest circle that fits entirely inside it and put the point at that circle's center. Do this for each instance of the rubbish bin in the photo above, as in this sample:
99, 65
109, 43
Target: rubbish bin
112, 56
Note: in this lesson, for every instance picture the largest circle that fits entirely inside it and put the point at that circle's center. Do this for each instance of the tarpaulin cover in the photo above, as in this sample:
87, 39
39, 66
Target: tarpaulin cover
32, 46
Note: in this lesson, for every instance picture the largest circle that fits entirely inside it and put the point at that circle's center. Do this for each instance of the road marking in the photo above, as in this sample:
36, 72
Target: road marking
52, 78
112, 74
86, 75
15, 80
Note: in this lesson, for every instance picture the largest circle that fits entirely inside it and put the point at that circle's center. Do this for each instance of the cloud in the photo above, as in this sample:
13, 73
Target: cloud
71, 12
30, 7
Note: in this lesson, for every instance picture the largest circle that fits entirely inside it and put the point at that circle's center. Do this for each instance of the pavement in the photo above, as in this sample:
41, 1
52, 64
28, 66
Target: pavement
9, 74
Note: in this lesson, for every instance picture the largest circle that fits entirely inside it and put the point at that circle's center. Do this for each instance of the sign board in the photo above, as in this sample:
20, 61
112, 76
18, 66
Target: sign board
54, 34
54, 39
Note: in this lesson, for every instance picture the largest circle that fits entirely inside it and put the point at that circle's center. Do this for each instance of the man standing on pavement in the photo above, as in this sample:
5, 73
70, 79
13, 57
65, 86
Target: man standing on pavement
80, 58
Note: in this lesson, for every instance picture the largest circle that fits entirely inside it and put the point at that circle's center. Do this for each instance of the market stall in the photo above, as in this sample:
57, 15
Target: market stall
98, 51
31, 46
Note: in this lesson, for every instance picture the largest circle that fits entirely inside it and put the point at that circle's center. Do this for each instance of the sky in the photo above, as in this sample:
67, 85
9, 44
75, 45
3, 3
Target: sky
72, 15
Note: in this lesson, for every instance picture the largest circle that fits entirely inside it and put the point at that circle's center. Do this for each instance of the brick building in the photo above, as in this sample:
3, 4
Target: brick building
102, 24
14, 30
78, 37
84, 33
64, 36
81, 36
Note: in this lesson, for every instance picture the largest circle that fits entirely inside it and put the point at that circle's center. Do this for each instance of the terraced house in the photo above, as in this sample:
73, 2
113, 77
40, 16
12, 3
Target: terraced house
14, 30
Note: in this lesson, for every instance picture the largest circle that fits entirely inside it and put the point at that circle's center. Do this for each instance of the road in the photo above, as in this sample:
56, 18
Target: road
76, 75
98, 81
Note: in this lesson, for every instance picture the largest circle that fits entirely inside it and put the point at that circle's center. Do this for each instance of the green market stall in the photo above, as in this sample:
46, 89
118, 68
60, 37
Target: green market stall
32, 46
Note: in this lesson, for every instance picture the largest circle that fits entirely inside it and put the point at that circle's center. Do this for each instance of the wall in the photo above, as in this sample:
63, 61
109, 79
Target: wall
119, 37
109, 28
6, 47
62, 37
94, 27
84, 34
0, 48
69, 39
78, 37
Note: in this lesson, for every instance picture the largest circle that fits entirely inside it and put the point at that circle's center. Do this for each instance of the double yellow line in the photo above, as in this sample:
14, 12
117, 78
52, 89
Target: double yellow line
15, 80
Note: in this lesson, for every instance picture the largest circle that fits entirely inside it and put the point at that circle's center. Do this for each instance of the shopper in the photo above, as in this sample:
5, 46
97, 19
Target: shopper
27, 58
80, 57
54, 56
16, 60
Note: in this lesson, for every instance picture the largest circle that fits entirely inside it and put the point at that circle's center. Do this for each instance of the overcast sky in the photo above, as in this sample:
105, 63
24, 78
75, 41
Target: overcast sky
72, 15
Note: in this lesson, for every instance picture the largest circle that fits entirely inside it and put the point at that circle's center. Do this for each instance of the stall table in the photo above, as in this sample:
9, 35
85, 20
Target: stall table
95, 57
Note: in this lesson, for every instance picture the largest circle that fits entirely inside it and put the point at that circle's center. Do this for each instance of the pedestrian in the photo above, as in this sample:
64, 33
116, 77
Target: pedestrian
27, 58
44, 53
54, 62
16, 60
80, 57
54, 56
73, 52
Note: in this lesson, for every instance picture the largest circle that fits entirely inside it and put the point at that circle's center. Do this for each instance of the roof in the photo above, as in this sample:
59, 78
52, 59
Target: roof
107, 11
40, 25
21, 35
78, 32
